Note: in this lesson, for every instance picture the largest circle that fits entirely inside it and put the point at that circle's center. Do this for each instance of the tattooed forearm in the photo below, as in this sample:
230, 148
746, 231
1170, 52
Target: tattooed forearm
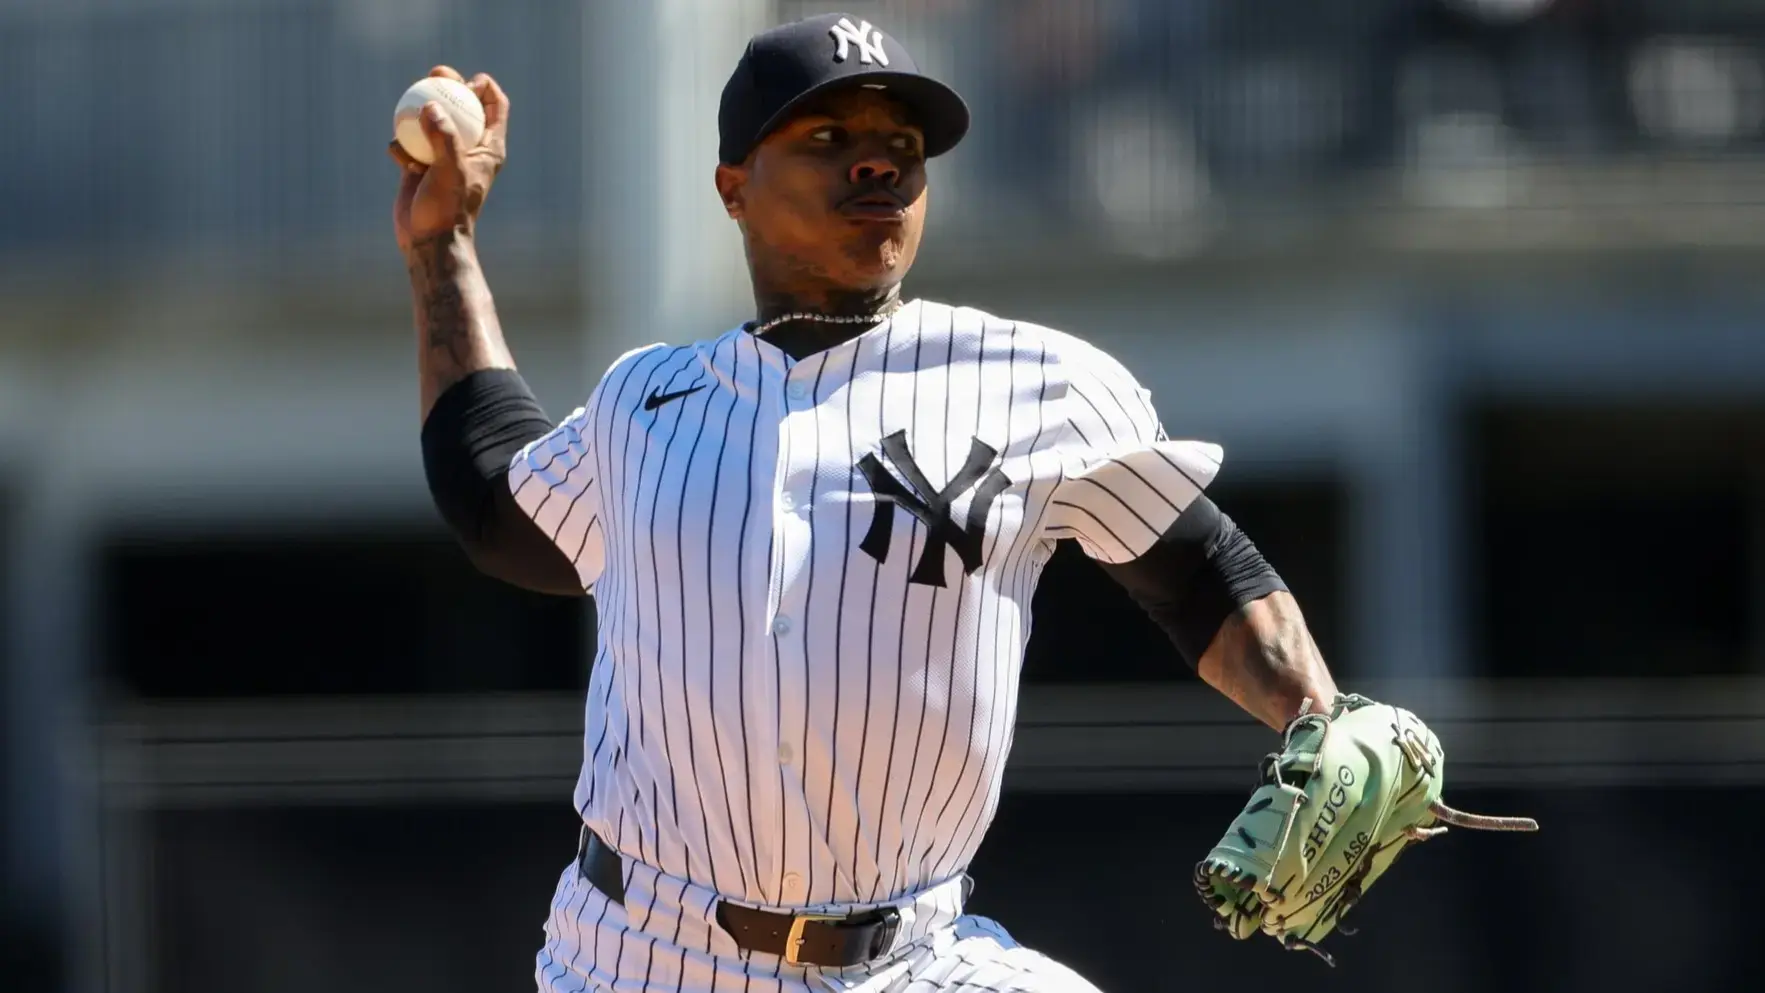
1264, 659
457, 328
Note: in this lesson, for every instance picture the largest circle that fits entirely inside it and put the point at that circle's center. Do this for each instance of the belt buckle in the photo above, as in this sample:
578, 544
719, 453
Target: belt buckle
793, 942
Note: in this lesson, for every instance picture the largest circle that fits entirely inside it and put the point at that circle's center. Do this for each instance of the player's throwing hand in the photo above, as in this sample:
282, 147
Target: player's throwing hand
447, 195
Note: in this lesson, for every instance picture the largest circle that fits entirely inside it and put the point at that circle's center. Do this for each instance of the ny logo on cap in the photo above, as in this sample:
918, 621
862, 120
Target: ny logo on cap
868, 39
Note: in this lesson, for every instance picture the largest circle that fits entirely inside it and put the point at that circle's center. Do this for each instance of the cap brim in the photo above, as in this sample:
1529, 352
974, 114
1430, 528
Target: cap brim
942, 114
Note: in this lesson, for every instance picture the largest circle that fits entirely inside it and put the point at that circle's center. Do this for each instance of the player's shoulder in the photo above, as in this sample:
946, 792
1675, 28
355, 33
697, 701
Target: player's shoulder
631, 369
1069, 353
656, 353
646, 353
626, 359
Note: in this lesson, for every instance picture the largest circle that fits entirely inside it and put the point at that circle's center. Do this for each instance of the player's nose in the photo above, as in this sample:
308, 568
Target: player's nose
875, 169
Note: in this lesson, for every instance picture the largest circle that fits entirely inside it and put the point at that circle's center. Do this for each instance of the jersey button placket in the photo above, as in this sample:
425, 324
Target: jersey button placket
794, 892
798, 404
767, 696
791, 623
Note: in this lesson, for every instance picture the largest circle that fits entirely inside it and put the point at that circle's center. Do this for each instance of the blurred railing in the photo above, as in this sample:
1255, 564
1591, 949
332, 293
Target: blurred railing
254, 128
1155, 127
1591, 732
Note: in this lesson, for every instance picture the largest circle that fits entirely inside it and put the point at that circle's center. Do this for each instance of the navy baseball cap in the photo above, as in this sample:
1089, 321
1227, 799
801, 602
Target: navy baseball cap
787, 66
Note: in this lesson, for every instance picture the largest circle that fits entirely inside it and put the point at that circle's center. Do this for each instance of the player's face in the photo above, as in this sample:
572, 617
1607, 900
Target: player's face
837, 195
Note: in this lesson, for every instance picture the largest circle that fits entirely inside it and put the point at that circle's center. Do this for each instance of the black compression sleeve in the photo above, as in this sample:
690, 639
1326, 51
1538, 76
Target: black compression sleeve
469, 438
1198, 574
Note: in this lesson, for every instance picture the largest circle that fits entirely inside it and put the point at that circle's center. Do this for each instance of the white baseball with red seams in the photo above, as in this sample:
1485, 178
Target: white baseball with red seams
462, 106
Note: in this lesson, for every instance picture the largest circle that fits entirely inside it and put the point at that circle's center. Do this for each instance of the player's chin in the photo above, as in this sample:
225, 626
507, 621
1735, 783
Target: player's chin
876, 251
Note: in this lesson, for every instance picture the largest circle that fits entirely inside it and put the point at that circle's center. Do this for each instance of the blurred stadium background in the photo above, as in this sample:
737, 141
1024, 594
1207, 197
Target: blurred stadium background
1468, 289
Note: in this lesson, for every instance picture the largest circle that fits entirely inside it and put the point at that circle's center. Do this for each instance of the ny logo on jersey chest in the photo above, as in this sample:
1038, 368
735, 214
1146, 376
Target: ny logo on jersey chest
931, 507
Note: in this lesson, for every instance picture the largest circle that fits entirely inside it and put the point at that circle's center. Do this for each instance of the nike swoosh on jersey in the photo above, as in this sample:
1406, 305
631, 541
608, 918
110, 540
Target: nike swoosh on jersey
657, 399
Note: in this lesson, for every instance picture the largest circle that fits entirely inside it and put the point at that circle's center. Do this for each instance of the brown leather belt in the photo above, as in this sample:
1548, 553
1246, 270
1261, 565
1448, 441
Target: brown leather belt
833, 941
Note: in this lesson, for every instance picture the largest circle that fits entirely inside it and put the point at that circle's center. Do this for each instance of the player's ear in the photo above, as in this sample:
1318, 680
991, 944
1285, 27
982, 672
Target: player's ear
731, 183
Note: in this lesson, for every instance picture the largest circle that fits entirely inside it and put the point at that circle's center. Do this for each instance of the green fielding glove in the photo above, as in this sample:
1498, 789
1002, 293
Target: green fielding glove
1347, 793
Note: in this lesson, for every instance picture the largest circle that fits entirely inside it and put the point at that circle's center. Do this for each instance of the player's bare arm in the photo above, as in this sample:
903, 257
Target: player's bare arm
434, 219
1265, 660
476, 411
457, 328
1229, 614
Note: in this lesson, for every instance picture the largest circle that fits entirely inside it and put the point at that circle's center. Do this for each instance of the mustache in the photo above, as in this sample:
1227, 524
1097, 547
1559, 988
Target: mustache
874, 189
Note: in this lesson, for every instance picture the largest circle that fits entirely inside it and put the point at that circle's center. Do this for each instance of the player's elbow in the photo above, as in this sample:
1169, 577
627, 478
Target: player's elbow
1201, 572
469, 439
533, 567
502, 542
467, 468
464, 496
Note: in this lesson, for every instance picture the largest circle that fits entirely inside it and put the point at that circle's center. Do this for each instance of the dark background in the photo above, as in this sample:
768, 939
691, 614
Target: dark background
1098, 881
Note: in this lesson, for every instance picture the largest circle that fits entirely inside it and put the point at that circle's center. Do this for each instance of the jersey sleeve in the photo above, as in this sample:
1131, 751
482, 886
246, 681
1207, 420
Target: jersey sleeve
1123, 481
553, 482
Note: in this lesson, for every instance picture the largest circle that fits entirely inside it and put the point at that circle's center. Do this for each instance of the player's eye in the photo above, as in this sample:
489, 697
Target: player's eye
907, 145
828, 135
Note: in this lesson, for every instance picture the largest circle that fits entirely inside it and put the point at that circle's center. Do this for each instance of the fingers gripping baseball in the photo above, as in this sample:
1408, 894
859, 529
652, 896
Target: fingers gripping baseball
447, 192
496, 109
444, 137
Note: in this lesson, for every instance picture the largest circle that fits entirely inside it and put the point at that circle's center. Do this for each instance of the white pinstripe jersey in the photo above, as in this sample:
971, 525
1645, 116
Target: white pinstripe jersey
813, 582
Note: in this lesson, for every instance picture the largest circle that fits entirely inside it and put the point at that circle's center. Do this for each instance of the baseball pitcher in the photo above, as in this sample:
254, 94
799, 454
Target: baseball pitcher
813, 541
